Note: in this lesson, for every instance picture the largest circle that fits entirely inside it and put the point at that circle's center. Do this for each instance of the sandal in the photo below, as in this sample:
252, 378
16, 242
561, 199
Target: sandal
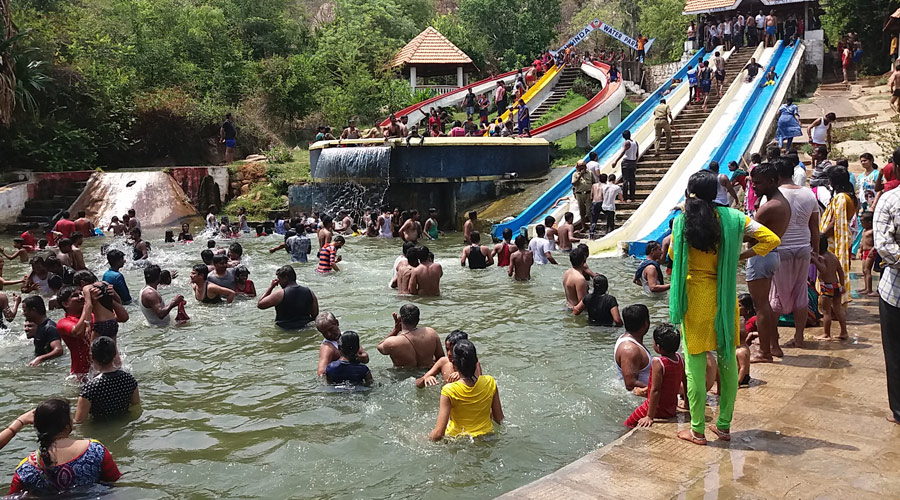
689, 435
722, 435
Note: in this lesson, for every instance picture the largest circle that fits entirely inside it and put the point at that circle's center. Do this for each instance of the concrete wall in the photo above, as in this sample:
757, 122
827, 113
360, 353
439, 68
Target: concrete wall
12, 199
189, 179
815, 52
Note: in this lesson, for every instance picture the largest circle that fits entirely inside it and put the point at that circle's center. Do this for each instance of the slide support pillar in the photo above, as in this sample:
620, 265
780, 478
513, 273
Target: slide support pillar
615, 117
583, 138
412, 78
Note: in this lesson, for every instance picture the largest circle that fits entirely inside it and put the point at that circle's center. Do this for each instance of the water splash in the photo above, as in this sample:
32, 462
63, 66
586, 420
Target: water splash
353, 179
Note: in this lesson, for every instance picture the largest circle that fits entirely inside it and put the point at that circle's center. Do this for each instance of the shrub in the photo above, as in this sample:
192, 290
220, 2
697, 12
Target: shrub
279, 154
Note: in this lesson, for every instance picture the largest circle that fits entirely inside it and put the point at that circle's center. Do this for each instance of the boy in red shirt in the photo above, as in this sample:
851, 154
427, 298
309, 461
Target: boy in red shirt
667, 379
74, 329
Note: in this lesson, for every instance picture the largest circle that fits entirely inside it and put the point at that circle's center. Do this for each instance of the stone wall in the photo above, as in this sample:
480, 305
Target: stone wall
657, 75
245, 176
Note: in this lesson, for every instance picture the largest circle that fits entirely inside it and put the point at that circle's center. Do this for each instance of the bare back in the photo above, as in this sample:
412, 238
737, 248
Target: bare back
575, 285
428, 279
566, 233
416, 349
775, 213
404, 272
521, 263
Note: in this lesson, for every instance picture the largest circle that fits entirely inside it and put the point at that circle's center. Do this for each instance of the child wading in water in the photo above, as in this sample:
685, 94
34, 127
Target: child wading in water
348, 369
444, 366
867, 252
667, 379
831, 275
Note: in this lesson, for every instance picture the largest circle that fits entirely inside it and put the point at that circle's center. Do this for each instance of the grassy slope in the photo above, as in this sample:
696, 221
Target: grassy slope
566, 152
270, 193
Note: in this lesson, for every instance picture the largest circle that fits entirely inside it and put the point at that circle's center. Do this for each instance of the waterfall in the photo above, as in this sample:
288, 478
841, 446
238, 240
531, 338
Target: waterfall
353, 178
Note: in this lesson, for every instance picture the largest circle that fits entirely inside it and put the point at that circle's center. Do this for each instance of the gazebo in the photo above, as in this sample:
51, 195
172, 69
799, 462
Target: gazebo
431, 54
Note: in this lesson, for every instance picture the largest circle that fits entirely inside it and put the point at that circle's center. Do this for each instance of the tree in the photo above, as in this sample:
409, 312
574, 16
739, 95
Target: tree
526, 27
7, 70
865, 18
662, 19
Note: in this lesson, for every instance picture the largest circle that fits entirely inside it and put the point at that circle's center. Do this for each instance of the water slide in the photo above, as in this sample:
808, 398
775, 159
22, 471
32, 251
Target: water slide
155, 195
747, 129
639, 122
607, 100
536, 94
417, 112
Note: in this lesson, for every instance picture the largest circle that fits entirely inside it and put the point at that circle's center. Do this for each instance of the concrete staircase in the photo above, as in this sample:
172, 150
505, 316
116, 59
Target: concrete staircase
48, 202
565, 82
651, 168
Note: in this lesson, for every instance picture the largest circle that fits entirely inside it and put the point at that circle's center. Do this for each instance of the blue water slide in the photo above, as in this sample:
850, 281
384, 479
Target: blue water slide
740, 134
605, 149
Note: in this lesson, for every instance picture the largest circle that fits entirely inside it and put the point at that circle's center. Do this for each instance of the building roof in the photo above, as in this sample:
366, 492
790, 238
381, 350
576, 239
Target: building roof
430, 48
704, 6
893, 23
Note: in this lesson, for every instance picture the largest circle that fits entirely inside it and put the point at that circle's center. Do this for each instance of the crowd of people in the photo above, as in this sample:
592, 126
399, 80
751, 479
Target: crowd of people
737, 29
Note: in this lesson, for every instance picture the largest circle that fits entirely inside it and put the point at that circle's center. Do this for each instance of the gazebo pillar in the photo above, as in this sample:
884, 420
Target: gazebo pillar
412, 78
459, 77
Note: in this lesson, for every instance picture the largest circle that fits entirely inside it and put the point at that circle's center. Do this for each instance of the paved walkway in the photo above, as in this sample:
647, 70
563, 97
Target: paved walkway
811, 426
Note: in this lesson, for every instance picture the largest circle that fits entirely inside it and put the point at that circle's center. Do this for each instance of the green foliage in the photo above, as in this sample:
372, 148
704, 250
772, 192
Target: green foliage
289, 85
586, 87
518, 28
570, 102
261, 199
279, 154
866, 18
662, 19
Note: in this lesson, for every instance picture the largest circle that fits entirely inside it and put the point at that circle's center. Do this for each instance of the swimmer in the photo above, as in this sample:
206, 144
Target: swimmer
105, 302
649, 274
504, 249
42, 331
632, 359
401, 260
469, 226
404, 271
36, 280
410, 345
469, 404
411, 230
328, 257
566, 233
349, 368
325, 233
295, 305
22, 251
220, 274
206, 292
477, 255
114, 277
116, 226
73, 329
207, 257
9, 314
327, 324
243, 285
151, 302
425, 279
551, 232
141, 247
185, 234
235, 253
574, 284
602, 308
521, 261
444, 366
111, 392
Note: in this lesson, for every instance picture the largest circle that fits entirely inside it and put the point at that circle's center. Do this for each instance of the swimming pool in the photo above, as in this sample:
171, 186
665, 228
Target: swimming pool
232, 406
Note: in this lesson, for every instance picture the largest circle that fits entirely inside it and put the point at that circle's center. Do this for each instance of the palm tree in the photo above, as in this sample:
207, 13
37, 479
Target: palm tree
7, 64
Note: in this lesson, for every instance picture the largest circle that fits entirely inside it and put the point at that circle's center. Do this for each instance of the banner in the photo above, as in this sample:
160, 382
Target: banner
609, 30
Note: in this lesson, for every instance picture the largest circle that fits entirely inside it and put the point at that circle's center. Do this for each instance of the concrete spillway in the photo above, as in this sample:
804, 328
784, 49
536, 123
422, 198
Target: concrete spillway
155, 196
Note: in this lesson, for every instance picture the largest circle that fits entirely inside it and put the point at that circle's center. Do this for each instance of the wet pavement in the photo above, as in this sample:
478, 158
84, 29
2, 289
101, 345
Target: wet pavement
810, 426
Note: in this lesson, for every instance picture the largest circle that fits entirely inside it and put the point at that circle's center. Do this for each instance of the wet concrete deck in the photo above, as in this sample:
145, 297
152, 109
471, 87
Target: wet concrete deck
810, 426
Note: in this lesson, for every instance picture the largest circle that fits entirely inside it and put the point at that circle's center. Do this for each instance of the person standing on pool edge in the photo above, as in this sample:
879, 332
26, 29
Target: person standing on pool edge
295, 305
228, 136
706, 244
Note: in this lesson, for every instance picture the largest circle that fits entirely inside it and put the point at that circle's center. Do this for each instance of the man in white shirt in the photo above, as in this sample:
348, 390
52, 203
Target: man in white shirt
593, 165
540, 247
611, 193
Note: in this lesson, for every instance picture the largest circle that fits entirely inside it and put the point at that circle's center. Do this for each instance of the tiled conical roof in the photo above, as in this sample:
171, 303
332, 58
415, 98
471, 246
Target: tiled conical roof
430, 47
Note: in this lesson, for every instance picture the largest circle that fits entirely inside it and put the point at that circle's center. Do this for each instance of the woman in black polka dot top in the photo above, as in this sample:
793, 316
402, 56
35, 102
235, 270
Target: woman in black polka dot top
111, 392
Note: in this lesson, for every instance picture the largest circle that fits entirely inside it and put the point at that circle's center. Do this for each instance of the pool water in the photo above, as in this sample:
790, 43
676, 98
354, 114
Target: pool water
232, 407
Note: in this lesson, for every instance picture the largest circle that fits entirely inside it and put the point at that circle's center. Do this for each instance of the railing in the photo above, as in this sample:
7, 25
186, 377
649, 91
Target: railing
438, 89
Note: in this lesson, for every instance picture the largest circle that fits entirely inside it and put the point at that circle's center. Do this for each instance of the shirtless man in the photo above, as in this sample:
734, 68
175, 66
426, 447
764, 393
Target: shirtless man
631, 357
77, 255
346, 223
520, 262
444, 366
83, 225
325, 232
551, 232
566, 233
411, 230
775, 214
405, 269
329, 327
410, 345
426, 277
154, 309
393, 130
771, 21
67, 255
469, 226
575, 285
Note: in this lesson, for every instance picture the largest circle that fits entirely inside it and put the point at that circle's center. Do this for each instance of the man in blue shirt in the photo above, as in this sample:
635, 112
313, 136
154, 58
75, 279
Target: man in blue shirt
112, 275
